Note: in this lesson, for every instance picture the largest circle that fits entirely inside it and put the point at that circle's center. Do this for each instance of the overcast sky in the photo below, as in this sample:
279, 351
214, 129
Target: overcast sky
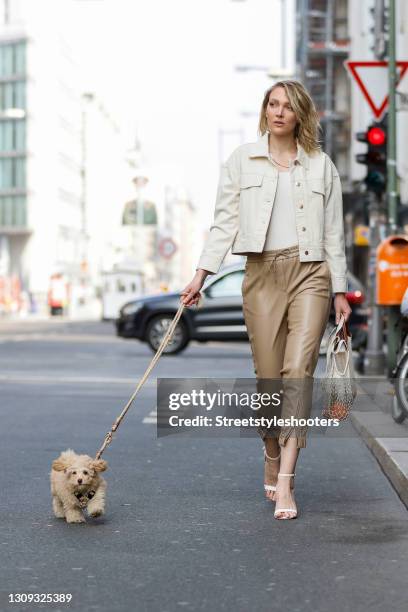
167, 68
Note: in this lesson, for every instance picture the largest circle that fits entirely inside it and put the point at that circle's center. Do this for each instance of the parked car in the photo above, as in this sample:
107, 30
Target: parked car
220, 316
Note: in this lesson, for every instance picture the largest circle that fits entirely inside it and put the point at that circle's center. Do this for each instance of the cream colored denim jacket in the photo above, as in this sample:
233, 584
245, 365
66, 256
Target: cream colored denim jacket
245, 197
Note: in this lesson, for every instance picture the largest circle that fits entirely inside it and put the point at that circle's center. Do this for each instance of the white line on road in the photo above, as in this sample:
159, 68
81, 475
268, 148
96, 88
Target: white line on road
152, 418
23, 378
59, 338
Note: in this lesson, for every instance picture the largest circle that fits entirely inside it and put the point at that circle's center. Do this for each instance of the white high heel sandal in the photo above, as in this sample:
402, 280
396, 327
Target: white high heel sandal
280, 510
269, 460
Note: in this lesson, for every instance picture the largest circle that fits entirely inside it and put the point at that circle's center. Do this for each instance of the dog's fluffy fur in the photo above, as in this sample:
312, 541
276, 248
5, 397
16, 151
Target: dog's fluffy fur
76, 484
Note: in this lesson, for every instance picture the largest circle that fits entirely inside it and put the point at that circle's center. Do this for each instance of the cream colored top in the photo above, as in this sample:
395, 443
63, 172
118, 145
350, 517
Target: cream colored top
281, 232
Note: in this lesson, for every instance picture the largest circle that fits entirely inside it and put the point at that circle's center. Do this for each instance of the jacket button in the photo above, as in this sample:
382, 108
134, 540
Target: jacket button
301, 206
297, 183
306, 252
303, 229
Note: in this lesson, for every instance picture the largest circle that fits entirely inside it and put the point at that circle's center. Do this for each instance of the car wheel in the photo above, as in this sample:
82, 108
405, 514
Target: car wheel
157, 328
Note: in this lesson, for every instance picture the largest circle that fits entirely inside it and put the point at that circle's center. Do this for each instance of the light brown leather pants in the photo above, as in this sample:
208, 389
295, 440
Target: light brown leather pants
286, 306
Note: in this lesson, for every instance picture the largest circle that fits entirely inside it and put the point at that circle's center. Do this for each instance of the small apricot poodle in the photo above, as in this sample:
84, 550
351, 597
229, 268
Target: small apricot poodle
76, 485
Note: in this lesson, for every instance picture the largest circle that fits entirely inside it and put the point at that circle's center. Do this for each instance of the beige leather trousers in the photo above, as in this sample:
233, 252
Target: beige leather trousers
286, 306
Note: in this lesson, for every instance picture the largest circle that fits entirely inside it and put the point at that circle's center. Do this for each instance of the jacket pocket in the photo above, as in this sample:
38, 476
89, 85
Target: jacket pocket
317, 186
249, 200
250, 180
317, 195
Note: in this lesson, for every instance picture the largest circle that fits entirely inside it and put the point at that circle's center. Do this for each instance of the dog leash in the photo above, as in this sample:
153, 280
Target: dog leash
109, 436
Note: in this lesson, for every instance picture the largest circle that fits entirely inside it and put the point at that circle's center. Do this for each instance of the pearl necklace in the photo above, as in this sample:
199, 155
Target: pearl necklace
276, 162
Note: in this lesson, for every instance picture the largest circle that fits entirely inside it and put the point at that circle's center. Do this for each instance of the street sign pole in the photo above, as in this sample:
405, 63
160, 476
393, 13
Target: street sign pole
393, 336
392, 131
374, 357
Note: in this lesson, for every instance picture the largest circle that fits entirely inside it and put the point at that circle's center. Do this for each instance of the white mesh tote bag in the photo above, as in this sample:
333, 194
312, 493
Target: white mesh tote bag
339, 386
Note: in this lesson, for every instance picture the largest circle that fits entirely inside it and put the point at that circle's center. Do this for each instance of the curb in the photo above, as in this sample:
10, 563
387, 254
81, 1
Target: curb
391, 452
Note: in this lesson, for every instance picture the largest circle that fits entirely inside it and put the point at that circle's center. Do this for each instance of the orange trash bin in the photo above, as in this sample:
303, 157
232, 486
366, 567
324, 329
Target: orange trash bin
392, 270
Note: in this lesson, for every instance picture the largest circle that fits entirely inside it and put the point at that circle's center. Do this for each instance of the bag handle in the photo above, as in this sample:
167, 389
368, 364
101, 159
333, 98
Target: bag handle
342, 331
335, 329
342, 327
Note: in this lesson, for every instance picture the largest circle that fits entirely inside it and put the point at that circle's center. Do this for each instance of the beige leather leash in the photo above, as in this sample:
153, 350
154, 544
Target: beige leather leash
163, 344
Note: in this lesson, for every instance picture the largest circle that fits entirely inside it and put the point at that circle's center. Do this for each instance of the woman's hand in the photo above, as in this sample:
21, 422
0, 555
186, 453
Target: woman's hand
341, 307
191, 292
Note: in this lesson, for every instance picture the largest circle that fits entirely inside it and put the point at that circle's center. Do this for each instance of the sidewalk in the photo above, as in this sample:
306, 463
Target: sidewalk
89, 310
387, 440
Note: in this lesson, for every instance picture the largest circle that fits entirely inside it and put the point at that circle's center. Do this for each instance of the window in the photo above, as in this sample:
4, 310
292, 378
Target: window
13, 211
19, 94
20, 58
20, 172
120, 287
228, 286
13, 173
6, 60
12, 59
12, 135
12, 95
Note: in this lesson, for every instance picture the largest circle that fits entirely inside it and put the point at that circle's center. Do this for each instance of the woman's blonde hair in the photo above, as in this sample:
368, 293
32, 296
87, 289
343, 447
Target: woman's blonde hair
308, 125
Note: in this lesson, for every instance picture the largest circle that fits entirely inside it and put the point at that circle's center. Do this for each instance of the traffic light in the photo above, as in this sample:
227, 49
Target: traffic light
376, 157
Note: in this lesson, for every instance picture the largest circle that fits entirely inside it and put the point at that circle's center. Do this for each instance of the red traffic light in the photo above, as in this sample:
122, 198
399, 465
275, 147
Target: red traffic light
376, 136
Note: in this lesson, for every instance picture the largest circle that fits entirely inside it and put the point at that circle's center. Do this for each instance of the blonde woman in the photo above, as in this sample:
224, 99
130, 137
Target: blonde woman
279, 202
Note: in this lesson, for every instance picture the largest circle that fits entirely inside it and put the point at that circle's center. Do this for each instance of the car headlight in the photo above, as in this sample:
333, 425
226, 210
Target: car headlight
131, 308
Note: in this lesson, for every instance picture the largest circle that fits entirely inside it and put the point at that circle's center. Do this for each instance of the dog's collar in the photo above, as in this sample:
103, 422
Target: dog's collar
84, 496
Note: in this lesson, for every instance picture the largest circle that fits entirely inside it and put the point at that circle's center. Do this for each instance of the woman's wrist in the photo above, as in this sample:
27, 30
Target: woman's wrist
202, 274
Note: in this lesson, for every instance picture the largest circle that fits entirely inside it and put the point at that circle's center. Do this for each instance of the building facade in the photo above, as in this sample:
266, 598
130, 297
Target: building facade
63, 169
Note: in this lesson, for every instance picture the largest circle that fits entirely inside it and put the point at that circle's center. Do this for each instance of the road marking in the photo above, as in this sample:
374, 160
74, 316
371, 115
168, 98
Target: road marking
151, 419
45, 337
73, 379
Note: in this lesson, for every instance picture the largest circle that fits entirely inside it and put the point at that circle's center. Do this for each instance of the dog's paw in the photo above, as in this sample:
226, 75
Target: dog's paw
96, 512
58, 508
75, 518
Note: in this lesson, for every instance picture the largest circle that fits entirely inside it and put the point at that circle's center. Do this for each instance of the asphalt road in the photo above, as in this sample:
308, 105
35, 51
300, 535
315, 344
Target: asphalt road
187, 526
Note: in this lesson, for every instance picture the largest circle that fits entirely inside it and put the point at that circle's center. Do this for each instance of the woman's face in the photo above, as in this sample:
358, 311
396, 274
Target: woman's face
280, 116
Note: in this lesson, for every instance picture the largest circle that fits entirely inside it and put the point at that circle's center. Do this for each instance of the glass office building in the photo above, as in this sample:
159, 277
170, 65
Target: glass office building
13, 209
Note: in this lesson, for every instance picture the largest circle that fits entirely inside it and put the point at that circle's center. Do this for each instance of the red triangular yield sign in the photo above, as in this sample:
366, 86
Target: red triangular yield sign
372, 79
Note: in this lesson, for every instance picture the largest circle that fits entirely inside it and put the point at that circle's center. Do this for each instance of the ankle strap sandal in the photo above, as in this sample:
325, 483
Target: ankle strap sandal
269, 461
278, 511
